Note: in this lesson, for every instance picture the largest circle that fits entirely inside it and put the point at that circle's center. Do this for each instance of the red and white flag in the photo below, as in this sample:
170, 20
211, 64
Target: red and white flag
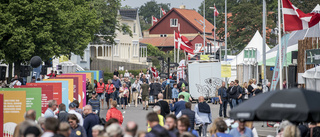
295, 19
216, 12
163, 11
184, 43
154, 72
154, 20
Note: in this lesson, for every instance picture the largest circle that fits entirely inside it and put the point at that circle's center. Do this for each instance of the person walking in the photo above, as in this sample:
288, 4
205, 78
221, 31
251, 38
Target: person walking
186, 95
100, 89
123, 94
52, 106
202, 109
156, 129
128, 85
63, 114
72, 110
165, 109
90, 120
178, 106
191, 115
245, 93
175, 93
144, 94
94, 103
76, 129
110, 88
89, 89
135, 88
117, 84
218, 128
113, 112
222, 94
116, 73
241, 130
156, 89
236, 93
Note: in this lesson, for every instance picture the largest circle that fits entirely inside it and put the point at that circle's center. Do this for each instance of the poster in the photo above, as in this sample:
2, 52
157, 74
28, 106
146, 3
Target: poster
84, 89
1, 114
33, 100
89, 75
225, 71
46, 95
74, 86
57, 88
95, 74
70, 87
79, 86
64, 92
14, 107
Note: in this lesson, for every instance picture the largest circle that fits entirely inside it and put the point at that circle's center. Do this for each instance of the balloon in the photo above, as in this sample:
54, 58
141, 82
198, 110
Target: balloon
35, 61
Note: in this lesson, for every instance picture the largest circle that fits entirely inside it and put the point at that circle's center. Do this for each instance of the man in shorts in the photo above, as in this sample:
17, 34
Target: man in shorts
145, 94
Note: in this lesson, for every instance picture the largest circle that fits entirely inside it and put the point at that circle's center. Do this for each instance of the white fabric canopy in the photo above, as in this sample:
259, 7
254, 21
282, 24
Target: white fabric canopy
312, 77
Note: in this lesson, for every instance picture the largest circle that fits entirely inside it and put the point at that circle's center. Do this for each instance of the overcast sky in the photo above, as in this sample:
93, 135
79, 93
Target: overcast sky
190, 4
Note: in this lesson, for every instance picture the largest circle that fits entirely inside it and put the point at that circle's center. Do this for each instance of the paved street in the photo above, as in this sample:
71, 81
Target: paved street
139, 116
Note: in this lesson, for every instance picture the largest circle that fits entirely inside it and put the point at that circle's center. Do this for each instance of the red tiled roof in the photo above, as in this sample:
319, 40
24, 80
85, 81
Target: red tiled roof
192, 16
161, 41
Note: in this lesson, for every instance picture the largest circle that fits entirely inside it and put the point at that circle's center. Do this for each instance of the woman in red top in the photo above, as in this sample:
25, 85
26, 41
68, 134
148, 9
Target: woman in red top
113, 112
109, 90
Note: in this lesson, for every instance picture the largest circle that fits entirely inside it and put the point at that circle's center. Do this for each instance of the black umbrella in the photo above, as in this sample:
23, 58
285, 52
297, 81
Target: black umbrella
295, 105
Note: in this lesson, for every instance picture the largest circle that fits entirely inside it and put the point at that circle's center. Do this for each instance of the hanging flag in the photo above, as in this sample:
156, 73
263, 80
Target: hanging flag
163, 11
295, 19
154, 72
154, 20
216, 12
184, 43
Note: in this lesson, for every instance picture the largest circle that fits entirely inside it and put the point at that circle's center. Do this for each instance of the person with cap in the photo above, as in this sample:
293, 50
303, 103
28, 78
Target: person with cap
72, 110
95, 103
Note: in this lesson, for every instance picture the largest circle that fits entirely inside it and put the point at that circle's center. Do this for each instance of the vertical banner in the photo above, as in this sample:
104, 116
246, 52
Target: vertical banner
14, 107
82, 78
1, 115
74, 86
70, 87
33, 100
275, 76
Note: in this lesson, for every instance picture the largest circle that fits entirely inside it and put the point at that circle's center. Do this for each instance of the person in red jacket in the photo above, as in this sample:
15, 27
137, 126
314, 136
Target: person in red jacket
113, 112
100, 89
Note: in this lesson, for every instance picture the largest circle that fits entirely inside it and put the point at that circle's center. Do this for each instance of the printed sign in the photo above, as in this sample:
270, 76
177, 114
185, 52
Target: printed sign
313, 56
225, 70
70, 87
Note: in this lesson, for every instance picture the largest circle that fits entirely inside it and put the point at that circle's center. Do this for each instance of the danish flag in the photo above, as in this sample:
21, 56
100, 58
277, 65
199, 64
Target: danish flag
216, 12
183, 43
295, 19
163, 11
154, 20
154, 72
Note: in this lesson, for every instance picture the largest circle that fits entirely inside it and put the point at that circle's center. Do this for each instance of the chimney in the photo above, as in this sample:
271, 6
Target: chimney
182, 6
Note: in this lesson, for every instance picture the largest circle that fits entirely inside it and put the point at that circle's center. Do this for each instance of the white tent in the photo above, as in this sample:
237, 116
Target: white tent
256, 42
312, 78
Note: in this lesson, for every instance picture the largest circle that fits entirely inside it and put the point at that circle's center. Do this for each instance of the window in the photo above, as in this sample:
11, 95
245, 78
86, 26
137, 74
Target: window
134, 28
173, 22
84, 57
197, 46
163, 35
116, 49
124, 28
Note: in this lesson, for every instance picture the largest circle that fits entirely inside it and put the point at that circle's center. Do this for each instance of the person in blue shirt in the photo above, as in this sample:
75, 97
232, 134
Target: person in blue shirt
178, 106
241, 130
222, 94
117, 84
175, 93
95, 103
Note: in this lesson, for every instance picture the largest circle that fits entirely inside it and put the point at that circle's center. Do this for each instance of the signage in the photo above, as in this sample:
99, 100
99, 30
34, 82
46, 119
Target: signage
313, 56
225, 71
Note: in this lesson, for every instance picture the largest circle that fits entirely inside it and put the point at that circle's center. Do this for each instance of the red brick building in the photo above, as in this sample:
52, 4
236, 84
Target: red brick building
191, 26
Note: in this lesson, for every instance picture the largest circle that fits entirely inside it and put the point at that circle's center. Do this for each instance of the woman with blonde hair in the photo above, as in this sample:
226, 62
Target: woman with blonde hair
291, 131
218, 128
251, 88
246, 92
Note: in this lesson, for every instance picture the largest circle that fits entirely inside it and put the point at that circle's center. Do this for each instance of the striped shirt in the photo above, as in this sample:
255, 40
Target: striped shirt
95, 103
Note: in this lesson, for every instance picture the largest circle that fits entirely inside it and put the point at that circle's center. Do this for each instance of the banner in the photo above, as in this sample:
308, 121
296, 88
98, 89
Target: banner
275, 76
82, 86
70, 87
64, 90
33, 100
313, 56
95, 74
204, 57
225, 71
89, 75
74, 86
1, 115
57, 88
14, 107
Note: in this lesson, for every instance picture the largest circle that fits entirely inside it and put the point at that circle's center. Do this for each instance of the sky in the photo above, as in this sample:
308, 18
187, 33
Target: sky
190, 4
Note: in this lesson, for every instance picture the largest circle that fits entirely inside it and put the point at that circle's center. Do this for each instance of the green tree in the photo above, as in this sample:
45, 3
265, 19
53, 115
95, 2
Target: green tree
107, 11
44, 28
149, 9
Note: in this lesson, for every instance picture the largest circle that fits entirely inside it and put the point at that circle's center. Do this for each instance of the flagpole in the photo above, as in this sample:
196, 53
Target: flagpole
225, 33
152, 20
160, 13
174, 46
214, 32
279, 37
204, 25
178, 50
264, 45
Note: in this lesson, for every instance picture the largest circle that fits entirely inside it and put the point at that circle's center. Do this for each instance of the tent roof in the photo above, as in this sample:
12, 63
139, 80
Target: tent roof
312, 73
256, 42
316, 9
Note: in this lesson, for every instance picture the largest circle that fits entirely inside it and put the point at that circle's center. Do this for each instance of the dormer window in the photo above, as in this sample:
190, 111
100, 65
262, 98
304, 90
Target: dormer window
173, 22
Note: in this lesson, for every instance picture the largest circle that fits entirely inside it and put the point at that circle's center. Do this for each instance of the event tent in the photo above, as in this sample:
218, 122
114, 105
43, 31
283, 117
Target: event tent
292, 41
312, 78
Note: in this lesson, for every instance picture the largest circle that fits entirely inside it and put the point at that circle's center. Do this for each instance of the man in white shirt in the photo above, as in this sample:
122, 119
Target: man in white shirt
72, 110
52, 106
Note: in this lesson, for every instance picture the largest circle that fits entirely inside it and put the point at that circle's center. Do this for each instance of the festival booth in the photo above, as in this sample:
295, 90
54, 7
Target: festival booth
246, 60
312, 79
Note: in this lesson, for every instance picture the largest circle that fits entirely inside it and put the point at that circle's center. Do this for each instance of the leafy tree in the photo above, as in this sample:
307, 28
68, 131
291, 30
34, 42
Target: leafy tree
44, 28
149, 9
107, 11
